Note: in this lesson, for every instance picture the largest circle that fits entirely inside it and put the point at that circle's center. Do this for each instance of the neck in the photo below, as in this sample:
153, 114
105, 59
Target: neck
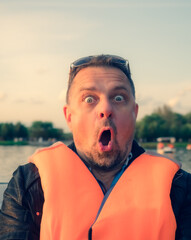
106, 177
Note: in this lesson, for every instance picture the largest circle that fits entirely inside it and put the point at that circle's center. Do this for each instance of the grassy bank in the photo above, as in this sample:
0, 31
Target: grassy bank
68, 137
13, 143
153, 145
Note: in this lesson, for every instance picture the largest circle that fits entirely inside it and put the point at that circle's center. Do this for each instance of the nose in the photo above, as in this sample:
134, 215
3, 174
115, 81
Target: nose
105, 109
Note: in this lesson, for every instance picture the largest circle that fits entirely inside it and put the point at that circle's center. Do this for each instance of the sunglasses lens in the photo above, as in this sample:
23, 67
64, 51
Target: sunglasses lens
114, 59
81, 61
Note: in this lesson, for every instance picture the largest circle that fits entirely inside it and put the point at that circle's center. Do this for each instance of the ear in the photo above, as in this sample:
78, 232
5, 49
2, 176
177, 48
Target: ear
136, 109
67, 114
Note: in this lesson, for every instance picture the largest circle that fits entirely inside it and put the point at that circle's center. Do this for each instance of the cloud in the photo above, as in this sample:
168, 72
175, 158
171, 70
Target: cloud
173, 102
176, 101
2, 96
33, 101
62, 96
96, 4
38, 30
179, 102
42, 71
145, 100
148, 100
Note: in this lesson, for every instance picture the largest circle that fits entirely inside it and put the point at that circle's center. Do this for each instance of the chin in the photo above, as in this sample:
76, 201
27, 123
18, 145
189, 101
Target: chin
106, 161
105, 166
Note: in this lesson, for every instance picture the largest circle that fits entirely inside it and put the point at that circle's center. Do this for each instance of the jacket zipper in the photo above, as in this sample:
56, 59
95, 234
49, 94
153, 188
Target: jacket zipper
99, 211
108, 193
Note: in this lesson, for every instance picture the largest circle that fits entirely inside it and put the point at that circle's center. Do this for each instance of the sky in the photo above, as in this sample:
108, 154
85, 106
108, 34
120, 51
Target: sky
40, 38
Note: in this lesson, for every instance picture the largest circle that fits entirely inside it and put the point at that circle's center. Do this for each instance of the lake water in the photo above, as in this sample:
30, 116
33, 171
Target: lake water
13, 156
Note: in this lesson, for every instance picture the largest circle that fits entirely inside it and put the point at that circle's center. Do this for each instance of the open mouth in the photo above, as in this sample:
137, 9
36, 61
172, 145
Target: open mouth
105, 137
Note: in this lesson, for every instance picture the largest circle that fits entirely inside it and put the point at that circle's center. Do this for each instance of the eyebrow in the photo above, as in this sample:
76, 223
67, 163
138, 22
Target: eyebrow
95, 89
120, 88
88, 89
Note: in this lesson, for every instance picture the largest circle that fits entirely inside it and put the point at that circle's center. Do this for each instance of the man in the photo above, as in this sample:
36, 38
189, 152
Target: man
104, 185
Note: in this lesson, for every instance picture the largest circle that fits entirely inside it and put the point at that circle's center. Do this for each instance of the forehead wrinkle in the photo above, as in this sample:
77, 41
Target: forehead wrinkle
95, 89
86, 81
121, 88
87, 89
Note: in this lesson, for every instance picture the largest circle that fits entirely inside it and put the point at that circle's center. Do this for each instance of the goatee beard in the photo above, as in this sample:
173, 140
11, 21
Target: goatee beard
95, 162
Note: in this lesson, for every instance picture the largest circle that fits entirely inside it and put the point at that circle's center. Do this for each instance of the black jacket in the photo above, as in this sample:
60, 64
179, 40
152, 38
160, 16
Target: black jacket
21, 211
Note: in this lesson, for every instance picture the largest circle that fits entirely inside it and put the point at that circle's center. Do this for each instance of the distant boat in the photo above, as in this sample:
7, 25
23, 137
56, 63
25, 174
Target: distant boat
188, 147
166, 145
42, 143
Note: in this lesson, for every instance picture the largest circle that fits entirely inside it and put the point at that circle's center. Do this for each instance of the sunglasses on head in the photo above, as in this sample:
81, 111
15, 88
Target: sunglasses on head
115, 60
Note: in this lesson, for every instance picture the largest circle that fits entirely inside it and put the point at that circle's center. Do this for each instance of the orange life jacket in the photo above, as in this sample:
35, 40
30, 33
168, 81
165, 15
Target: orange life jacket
138, 207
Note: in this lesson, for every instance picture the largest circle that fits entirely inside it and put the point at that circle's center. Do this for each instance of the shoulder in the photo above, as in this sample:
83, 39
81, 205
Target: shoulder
26, 174
181, 190
22, 180
182, 179
22, 199
181, 203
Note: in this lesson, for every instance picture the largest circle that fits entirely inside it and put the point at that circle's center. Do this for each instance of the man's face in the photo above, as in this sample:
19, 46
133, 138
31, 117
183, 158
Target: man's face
101, 115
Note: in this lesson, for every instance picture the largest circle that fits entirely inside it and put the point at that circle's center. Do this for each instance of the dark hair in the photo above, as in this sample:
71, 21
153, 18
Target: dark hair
99, 61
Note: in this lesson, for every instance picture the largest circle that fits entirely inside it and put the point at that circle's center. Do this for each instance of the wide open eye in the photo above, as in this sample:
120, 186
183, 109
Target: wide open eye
119, 98
89, 99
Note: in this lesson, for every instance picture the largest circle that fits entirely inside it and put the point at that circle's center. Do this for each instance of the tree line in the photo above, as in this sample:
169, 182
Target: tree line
163, 122
38, 130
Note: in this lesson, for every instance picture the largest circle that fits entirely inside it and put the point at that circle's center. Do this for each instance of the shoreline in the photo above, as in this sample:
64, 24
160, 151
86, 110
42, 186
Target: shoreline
31, 143
146, 145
